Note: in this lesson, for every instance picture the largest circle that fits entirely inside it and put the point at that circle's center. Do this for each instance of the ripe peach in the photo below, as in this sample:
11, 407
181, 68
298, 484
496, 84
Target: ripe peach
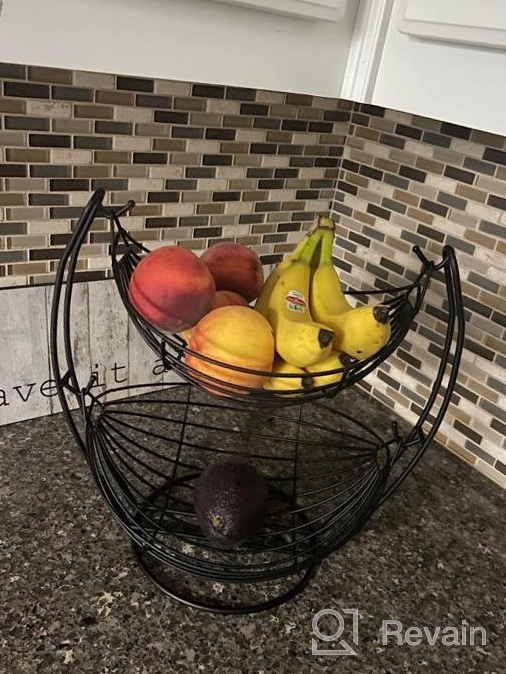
171, 288
225, 298
236, 336
235, 267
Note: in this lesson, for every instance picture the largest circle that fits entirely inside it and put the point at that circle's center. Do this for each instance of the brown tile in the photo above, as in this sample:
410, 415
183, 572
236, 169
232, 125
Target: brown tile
92, 171
12, 105
169, 144
386, 165
73, 125
479, 238
406, 197
30, 213
13, 138
54, 75
471, 193
94, 111
421, 216
12, 199
149, 129
27, 155
198, 104
115, 97
210, 209
26, 184
364, 132
112, 157
429, 165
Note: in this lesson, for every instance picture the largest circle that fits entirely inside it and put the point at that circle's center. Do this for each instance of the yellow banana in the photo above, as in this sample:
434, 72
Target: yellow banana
299, 340
327, 299
361, 332
332, 362
262, 303
304, 381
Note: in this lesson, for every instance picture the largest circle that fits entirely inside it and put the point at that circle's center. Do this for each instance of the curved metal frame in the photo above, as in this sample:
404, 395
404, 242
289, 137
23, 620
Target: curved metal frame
127, 474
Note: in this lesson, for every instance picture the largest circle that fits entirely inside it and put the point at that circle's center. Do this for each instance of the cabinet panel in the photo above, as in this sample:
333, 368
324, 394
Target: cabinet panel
447, 80
481, 23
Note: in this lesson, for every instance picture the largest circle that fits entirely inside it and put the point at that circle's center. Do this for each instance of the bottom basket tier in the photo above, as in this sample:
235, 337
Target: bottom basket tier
326, 472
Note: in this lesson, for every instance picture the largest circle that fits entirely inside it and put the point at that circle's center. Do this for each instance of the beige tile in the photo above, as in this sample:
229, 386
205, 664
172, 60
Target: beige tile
94, 80
178, 209
48, 226
72, 125
29, 241
213, 184
490, 472
491, 185
13, 138
30, 213
172, 88
225, 107
238, 207
11, 281
251, 135
71, 156
133, 143
276, 161
205, 119
203, 146
78, 198
27, 184
276, 97
53, 109
483, 211
166, 171
152, 184
132, 114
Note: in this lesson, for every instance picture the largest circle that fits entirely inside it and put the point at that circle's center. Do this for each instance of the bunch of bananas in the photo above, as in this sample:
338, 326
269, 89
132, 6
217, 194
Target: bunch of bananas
315, 328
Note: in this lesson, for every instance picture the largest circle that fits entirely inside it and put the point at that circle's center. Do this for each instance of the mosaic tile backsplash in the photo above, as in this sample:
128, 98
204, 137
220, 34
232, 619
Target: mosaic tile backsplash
409, 180
202, 163
206, 162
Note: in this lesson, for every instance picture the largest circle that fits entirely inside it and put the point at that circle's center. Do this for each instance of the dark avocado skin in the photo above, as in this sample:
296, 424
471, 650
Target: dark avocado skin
230, 500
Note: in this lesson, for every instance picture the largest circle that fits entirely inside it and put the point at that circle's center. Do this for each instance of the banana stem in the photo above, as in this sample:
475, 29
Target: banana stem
326, 247
311, 245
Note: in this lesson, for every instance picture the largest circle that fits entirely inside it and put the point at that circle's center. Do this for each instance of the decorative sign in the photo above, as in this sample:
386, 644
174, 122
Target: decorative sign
105, 343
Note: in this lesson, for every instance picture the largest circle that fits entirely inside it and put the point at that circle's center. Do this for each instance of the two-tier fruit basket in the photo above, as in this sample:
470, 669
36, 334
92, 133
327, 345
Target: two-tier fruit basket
326, 472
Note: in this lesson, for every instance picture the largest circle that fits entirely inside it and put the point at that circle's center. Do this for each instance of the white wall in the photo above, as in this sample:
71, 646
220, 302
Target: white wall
454, 82
195, 40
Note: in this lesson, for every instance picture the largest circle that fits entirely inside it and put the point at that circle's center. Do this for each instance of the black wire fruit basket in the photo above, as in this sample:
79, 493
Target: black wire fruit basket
326, 471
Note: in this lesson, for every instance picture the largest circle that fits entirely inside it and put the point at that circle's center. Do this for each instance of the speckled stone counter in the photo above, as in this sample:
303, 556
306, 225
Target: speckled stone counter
72, 599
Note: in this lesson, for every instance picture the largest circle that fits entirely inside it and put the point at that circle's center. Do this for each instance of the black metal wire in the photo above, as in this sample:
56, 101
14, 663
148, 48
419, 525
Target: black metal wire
326, 471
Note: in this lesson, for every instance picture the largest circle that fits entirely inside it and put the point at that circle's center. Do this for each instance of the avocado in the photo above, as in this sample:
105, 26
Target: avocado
230, 500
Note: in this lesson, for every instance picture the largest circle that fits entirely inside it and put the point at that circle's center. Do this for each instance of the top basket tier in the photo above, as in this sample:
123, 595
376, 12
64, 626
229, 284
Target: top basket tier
403, 302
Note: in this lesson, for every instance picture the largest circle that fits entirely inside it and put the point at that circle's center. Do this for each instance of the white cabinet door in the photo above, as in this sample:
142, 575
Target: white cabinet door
446, 60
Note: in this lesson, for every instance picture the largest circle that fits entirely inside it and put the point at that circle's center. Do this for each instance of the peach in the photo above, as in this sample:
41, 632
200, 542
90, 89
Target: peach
225, 298
235, 267
171, 288
236, 336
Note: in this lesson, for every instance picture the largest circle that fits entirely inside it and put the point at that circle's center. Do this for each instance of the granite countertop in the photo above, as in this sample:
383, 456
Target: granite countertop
73, 600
